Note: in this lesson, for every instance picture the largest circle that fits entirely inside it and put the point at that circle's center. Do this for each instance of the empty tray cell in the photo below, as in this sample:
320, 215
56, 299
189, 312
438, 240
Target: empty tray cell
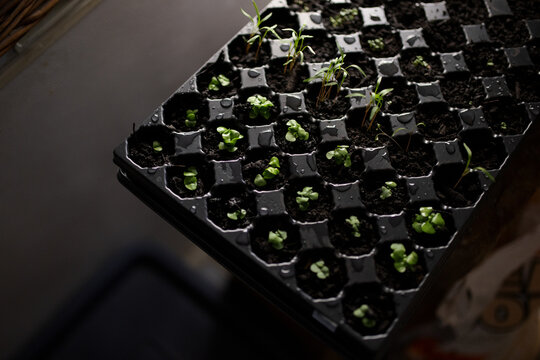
191, 178
388, 272
524, 85
342, 18
308, 199
296, 142
421, 190
412, 39
505, 117
262, 171
151, 146
303, 165
495, 87
455, 189
406, 15
437, 123
444, 36
383, 193
231, 207
253, 78
524, 8
430, 228
484, 60
518, 57
476, 34
468, 12
487, 151
411, 156
275, 239
380, 42
218, 80
463, 93
186, 111
346, 196
339, 163
508, 31
454, 63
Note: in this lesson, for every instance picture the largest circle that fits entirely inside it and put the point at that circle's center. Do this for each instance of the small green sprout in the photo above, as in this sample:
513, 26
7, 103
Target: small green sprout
156, 145
340, 155
260, 106
191, 118
305, 196
295, 132
504, 126
468, 170
376, 44
346, 16
490, 63
428, 222
259, 32
296, 49
217, 82
365, 314
376, 102
276, 238
402, 261
269, 173
237, 215
354, 224
419, 61
230, 137
320, 269
386, 189
190, 178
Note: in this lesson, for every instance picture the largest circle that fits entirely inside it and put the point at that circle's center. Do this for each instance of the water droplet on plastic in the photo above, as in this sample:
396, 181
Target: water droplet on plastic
383, 230
302, 171
429, 254
151, 171
285, 109
450, 148
294, 102
412, 39
284, 47
226, 103
405, 118
330, 130
349, 40
286, 273
155, 118
193, 209
388, 68
413, 188
265, 138
263, 211
253, 73
375, 18
220, 116
316, 18
395, 221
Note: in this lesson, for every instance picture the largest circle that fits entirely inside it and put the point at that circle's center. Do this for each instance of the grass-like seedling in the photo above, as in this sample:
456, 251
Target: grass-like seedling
295, 132
217, 82
386, 189
296, 49
190, 178
259, 33
419, 61
320, 269
468, 170
276, 238
366, 315
333, 75
237, 215
354, 224
305, 196
340, 155
376, 44
156, 145
230, 137
260, 107
376, 103
191, 118
345, 16
269, 173
402, 261
428, 222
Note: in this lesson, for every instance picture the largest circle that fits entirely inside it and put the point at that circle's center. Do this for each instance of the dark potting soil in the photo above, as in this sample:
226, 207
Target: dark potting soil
356, 79
525, 8
386, 272
468, 12
421, 73
345, 26
252, 167
534, 53
343, 239
368, 3
363, 137
463, 93
220, 67
318, 210
453, 193
325, 47
211, 140
505, 117
338, 174
484, 60
242, 109
524, 85
371, 194
440, 124
440, 238
298, 146
175, 179
333, 108
507, 31
308, 280
283, 19
487, 152
379, 302
392, 43
174, 111
403, 98
238, 55
236, 200
406, 15
444, 36
412, 157
141, 150
305, 5
262, 248
286, 82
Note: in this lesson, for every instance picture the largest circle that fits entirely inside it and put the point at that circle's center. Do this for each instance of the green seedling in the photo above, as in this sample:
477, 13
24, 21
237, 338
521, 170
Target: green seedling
468, 170
296, 49
259, 33
190, 178
402, 261
333, 75
156, 145
354, 224
230, 137
320, 269
276, 238
237, 215
260, 107
191, 118
419, 61
217, 82
366, 315
376, 44
340, 155
305, 196
295, 132
490, 63
376, 102
504, 126
346, 16
428, 222
386, 189
269, 173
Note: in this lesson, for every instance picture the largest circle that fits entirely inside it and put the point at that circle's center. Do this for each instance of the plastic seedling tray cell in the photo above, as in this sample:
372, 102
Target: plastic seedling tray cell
314, 223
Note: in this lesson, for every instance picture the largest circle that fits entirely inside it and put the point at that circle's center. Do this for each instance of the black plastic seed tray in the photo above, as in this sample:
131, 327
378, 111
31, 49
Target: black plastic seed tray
460, 74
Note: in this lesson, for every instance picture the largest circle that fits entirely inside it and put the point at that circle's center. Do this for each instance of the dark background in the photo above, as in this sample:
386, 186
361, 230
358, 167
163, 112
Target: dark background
63, 213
